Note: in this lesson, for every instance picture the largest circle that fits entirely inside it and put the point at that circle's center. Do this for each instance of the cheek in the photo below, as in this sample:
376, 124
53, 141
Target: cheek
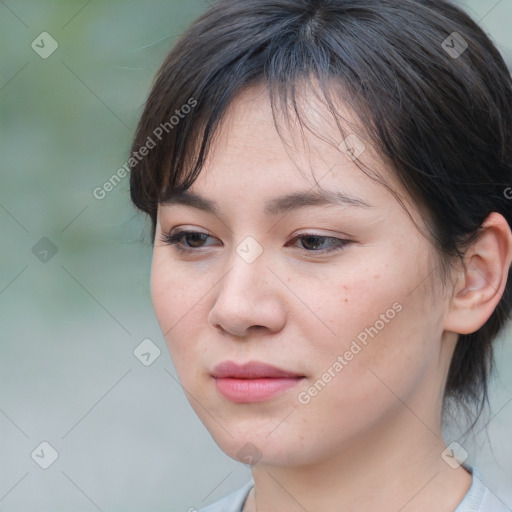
181, 296
384, 326
175, 300
351, 299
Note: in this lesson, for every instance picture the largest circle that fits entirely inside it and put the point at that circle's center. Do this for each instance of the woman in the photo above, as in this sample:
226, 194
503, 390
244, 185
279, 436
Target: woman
327, 183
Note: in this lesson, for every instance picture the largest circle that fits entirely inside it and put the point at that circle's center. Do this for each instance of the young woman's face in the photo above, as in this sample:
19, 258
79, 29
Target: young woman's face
350, 311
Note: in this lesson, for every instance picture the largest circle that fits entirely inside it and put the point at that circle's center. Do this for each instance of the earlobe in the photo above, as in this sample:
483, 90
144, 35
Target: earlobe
480, 285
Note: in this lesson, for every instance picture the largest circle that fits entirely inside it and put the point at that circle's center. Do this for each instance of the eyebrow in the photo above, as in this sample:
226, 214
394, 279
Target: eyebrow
278, 205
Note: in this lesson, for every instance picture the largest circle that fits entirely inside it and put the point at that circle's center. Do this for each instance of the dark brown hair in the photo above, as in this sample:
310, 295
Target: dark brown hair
438, 111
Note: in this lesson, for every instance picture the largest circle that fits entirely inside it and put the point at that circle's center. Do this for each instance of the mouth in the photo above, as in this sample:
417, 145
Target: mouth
252, 382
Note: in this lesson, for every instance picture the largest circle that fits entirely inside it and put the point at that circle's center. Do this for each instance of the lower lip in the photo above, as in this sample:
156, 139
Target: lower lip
254, 390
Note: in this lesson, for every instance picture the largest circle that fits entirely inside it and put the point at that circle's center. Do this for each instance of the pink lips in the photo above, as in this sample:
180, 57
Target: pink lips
252, 381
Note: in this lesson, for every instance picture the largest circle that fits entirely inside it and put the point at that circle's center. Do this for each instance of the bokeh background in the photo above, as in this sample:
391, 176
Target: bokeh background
74, 275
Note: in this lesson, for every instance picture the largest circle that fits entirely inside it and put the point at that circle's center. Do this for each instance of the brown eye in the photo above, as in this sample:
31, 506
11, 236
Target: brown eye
311, 242
193, 239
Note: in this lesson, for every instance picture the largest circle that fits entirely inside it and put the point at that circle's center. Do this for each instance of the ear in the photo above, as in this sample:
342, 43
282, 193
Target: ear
481, 283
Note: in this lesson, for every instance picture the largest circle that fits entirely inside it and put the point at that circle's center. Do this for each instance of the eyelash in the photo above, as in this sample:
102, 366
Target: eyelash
175, 240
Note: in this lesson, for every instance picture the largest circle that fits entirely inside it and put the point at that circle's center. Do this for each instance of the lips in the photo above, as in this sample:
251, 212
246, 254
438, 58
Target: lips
253, 381
250, 370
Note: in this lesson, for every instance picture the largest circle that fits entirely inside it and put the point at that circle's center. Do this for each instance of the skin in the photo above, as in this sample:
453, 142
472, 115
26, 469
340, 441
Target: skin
377, 424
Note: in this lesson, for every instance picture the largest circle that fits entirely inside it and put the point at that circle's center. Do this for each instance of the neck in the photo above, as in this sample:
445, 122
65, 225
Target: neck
387, 469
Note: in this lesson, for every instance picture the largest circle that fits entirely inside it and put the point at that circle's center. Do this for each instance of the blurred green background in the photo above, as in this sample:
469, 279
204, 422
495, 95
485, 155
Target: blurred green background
74, 274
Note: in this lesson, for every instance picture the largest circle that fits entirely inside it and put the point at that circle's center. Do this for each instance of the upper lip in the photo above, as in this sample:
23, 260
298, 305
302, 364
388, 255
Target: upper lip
250, 370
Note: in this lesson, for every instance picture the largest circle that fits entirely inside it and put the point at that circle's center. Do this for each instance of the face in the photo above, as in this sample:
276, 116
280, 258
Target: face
337, 294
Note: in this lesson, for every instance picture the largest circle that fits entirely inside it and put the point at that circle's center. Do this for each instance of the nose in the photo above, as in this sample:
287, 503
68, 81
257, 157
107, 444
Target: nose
249, 298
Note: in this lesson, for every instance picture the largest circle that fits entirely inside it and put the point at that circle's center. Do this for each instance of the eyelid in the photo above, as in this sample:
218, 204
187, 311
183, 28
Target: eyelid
172, 238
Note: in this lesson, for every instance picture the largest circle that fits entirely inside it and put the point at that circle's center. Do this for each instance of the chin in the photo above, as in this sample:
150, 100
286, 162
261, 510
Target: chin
251, 447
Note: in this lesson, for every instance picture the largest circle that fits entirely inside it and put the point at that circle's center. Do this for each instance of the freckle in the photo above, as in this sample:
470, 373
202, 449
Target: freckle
346, 300
376, 276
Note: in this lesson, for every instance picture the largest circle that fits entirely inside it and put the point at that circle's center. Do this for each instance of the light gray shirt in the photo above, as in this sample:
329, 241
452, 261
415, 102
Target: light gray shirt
479, 498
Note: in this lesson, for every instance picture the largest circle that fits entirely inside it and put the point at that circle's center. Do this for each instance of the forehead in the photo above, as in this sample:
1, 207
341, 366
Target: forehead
262, 163
256, 144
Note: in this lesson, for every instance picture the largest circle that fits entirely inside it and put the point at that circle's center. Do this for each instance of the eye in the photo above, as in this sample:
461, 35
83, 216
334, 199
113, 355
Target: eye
195, 238
310, 242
